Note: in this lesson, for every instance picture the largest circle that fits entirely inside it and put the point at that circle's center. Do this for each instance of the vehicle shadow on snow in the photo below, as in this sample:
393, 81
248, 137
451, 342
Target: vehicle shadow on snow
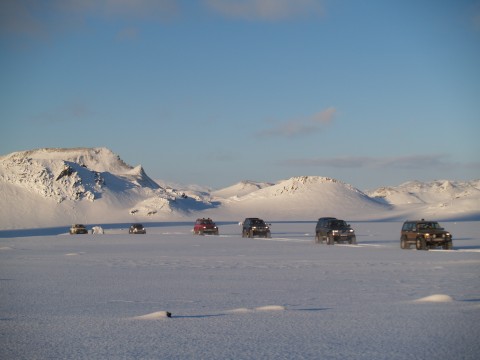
197, 316
311, 309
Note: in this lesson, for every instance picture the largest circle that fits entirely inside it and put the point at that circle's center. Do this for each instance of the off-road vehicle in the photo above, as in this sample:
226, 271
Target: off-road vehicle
137, 229
78, 229
424, 235
331, 230
205, 226
255, 227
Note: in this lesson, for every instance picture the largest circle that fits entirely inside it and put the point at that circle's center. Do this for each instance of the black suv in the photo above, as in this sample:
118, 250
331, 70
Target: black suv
424, 235
331, 230
137, 229
255, 226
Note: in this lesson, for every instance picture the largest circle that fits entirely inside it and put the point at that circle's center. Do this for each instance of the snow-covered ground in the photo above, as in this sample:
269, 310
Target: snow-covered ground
106, 296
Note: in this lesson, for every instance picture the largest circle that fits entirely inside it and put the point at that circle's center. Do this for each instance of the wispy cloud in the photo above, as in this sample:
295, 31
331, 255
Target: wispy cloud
270, 10
413, 162
301, 126
67, 113
43, 18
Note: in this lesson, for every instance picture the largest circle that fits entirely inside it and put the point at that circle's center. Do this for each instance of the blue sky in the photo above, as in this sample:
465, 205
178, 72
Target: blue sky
212, 92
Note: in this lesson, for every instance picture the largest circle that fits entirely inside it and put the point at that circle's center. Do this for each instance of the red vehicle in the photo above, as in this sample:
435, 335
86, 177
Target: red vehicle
205, 226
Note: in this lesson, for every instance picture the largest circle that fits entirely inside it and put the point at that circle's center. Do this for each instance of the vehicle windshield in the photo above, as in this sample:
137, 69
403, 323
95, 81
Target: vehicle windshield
258, 222
338, 223
428, 225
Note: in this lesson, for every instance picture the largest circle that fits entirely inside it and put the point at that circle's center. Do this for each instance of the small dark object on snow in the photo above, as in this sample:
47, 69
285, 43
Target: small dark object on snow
169, 314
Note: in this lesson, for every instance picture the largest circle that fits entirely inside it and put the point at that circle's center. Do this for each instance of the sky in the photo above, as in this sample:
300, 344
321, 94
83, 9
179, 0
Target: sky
212, 92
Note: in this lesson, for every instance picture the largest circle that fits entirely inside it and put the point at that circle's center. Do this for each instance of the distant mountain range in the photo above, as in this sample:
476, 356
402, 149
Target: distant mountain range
54, 187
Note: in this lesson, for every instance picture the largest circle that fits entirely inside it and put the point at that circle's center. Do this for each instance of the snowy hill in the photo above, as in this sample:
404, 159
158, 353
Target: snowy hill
305, 197
240, 189
439, 198
48, 187
57, 187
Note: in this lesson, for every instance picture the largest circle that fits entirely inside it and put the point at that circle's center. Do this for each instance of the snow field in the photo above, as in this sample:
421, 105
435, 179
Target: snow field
106, 296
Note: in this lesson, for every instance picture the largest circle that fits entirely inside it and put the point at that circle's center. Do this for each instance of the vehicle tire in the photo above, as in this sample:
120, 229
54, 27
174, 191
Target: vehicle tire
317, 238
352, 240
244, 234
250, 234
215, 233
403, 243
268, 234
448, 245
200, 232
421, 244
330, 240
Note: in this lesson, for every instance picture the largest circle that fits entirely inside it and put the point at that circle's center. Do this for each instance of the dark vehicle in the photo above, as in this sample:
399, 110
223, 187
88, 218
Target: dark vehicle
332, 230
205, 226
78, 229
424, 235
255, 227
137, 229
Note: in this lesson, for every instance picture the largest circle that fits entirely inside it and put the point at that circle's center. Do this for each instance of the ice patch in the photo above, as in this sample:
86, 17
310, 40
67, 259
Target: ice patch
436, 298
154, 316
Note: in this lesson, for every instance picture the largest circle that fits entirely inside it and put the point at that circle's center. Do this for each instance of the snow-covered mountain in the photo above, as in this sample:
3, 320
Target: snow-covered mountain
304, 197
59, 186
439, 198
53, 187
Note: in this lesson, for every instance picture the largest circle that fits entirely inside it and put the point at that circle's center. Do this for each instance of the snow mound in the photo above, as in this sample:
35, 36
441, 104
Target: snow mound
154, 316
437, 298
260, 308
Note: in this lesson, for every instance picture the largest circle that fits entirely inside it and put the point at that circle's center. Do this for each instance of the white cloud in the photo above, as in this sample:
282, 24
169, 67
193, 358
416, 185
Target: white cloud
301, 126
326, 116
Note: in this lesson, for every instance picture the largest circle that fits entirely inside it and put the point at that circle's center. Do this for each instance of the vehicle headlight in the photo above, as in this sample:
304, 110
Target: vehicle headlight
427, 235
351, 230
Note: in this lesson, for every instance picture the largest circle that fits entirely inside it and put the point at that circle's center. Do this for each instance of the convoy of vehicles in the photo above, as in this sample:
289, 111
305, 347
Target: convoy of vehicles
423, 234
